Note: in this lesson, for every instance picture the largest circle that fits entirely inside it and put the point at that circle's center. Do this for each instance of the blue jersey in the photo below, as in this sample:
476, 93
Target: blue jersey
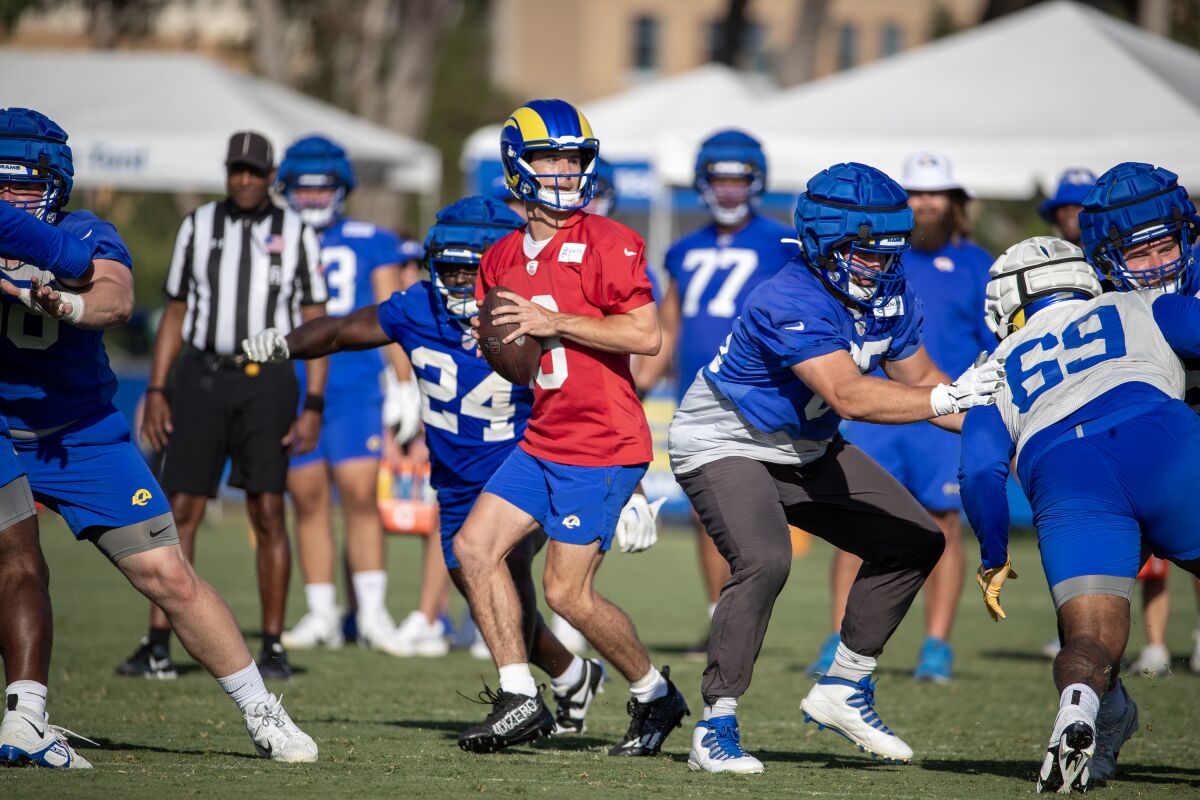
789, 319
350, 252
473, 417
55, 373
952, 285
714, 273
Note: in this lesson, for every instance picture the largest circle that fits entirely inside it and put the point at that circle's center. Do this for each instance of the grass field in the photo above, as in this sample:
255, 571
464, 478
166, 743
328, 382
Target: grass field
387, 726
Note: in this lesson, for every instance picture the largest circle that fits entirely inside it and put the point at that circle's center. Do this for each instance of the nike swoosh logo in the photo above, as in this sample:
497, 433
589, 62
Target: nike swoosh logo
797, 327
41, 733
86, 235
160, 530
630, 252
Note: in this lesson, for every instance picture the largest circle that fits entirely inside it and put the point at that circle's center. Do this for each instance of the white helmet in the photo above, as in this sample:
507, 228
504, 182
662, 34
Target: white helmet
1037, 268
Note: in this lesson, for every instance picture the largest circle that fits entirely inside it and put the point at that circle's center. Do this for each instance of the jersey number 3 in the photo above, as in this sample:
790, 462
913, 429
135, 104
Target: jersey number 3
1094, 338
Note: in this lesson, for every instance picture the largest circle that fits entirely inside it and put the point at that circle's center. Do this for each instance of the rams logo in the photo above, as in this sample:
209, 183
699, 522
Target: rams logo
141, 497
571, 521
373, 444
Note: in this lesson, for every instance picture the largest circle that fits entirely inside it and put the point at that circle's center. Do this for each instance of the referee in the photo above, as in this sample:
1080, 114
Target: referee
240, 265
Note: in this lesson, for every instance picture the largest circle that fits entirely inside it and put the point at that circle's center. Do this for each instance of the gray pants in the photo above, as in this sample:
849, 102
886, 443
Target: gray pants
845, 498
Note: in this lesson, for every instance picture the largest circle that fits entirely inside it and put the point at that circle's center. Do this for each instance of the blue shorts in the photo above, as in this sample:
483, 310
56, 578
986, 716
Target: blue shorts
350, 428
453, 508
1138, 480
92, 474
577, 505
922, 457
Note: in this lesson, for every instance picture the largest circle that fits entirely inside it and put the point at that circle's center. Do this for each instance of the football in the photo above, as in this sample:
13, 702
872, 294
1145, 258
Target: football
516, 362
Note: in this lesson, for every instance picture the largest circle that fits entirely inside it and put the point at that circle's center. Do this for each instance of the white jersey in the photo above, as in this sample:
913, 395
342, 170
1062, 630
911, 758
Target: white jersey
1072, 352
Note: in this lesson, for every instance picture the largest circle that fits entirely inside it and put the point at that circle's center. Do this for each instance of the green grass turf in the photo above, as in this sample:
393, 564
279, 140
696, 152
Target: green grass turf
386, 726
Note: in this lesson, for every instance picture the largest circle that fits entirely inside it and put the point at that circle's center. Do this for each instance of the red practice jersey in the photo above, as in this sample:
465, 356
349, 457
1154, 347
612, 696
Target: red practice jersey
585, 410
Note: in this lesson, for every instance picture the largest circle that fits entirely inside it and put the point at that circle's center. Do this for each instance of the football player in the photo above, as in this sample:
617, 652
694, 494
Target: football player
710, 273
56, 393
755, 445
1092, 379
473, 417
1062, 210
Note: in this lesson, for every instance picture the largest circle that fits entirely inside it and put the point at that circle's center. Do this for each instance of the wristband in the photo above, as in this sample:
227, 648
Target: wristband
314, 402
156, 390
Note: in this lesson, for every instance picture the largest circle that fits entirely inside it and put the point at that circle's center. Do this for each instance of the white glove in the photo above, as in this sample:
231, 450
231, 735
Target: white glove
402, 407
637, 528
266, 346
975, 387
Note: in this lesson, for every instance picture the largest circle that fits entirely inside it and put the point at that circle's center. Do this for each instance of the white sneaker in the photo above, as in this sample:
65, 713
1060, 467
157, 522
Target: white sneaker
1194, 661
479, 648
26, 740
1153, 662
376, 631
571, 639
1072, 744
848, 708
573, 702
1110, 736
416, 636
275, 736
315, 629
1051, 649
716, 747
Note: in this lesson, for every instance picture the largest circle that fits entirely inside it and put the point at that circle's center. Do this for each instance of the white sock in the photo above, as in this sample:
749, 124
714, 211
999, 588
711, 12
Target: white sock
245, 687
712, 609
649, 687
321, 597
723, 707
1112, 705
31, 697
570, 676
850, 665
370, 587
517, 679
1081, 695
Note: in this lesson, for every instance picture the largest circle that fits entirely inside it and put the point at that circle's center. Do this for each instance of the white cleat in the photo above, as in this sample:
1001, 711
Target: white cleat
1072, 744
848, 708
479, 648
1110, 736
315, 630
416, 636
573, 702
26, 740
716, 747
571, 638
376, 631
276, 737
1153, 662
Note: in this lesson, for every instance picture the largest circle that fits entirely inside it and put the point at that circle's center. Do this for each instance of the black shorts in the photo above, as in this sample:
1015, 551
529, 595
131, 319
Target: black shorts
220, 411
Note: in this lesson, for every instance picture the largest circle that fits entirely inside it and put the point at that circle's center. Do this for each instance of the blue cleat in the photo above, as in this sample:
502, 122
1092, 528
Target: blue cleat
717, 747
27, 739
936, 661
818, 668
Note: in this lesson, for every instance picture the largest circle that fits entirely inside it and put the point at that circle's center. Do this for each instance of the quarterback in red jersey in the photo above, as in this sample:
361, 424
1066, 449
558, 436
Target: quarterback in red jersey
579, 284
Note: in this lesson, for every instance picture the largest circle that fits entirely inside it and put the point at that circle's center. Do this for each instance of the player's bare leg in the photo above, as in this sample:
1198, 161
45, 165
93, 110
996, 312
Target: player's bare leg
942, 591
1155, 659
27, 624
273, 556
309, 487
434, 597
188, 511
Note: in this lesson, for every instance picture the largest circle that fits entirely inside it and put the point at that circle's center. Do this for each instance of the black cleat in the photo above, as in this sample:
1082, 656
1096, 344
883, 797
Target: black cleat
273, 663
150, 662
571, 714
515, 718
652, 722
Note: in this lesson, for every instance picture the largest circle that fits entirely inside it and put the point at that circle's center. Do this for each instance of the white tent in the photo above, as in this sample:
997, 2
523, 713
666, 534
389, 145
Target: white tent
161, 121
1012, 103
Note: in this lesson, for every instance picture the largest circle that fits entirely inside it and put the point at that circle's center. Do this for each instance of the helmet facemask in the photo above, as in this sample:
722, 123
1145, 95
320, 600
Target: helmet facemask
867, 268
447, 267
730, 201
34, 188
1128, 270
319, 199
547, 188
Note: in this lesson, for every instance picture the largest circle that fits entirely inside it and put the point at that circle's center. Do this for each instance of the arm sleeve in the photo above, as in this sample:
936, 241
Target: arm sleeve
25, 238
619, 281
1178, 317
983, 477
308, 269
179, 274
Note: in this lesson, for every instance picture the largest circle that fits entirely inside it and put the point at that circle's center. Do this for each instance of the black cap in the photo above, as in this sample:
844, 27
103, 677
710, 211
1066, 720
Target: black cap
252, 149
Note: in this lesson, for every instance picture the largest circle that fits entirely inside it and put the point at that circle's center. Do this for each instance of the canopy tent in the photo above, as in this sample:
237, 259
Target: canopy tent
160, 121
1012, 102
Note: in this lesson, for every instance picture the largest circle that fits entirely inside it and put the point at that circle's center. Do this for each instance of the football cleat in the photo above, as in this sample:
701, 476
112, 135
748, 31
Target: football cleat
573, 702
29, 741
936, 661
570, 638
275, 736
818, 668
1072, 744
848, 708
1153, 662
315, 630
515, 718
716, 747
1110, 736
651, 723
150, 662
416, 636
273, 663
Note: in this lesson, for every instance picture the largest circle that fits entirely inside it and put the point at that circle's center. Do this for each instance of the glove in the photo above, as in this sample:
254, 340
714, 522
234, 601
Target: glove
990, 581
402, 407
975, 387
637, 528
266, 346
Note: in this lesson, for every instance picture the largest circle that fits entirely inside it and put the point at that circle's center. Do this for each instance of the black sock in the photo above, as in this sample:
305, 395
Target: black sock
269, 642
160, 638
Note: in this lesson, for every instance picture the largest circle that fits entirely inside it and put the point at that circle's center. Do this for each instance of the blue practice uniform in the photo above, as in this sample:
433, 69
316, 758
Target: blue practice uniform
56, 392
473, 417
1098, 384
952, 285
713, 274
352, 425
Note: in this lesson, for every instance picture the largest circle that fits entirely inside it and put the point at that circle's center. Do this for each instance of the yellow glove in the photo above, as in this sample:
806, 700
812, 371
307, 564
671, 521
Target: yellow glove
990, 581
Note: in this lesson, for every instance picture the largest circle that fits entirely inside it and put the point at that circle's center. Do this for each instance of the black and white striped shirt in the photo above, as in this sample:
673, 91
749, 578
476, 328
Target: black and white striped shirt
241, 273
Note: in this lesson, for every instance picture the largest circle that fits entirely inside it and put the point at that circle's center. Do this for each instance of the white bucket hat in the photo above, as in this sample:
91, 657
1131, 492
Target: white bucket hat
931, 171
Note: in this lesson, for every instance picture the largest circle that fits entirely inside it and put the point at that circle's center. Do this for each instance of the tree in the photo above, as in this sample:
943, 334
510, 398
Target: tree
798, 62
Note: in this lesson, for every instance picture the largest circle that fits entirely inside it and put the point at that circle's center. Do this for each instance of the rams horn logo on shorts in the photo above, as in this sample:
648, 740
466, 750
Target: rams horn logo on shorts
571, 521
141, 497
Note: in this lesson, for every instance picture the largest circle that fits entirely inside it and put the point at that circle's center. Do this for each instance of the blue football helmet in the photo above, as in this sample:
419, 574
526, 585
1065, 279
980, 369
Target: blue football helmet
731, 154
605, 200
315, 162
850, 211
1073, 186
1134, 203
34, 153
548, 125
464, 230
